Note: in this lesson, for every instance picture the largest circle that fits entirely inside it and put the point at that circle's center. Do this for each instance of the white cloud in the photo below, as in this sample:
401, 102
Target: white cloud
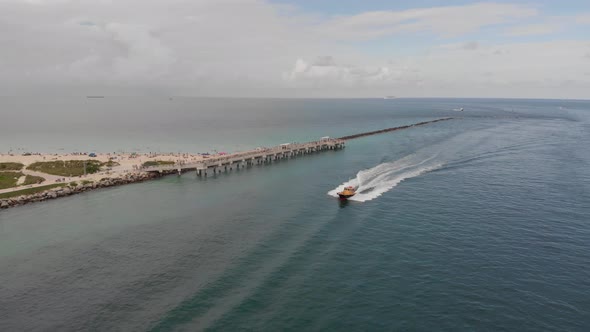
320, 73
472, 45
444, 21
481, 71
583, 19
255, 48
533, 29
177, 43
144, 55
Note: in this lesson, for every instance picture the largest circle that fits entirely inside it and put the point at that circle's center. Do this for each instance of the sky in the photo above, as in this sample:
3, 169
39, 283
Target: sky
289, 48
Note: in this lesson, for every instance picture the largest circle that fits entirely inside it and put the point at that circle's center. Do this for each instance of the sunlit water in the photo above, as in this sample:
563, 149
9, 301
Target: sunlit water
479, 223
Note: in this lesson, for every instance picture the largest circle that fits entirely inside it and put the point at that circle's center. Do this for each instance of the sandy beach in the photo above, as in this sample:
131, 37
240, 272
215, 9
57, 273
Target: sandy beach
127, 163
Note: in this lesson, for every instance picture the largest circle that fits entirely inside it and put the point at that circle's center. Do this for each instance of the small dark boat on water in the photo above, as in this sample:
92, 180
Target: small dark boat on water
347, 192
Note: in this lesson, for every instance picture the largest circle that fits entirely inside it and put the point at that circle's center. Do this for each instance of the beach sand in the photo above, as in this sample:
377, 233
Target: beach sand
128, 163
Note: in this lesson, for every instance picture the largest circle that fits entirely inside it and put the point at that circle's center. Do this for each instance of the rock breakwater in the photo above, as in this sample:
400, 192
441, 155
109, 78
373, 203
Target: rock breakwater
64, 191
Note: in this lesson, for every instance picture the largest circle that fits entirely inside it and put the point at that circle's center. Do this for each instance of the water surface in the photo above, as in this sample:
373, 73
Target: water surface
479, 223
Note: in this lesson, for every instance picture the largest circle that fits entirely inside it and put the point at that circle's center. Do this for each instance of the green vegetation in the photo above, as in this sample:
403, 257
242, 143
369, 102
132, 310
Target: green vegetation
9, 179
11, 166
67, 167
31, 179
73, 184
157, 163
111, 163
30, 191
85, 182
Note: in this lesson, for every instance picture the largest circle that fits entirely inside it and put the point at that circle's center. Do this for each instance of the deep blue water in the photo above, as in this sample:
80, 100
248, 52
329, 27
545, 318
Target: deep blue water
478, 223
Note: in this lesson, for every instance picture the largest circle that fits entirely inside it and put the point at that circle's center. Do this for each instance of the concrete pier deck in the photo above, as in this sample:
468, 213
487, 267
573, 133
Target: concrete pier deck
218, 163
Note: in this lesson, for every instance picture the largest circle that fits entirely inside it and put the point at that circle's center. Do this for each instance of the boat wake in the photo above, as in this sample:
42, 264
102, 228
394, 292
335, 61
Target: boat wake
468, 148
373, 182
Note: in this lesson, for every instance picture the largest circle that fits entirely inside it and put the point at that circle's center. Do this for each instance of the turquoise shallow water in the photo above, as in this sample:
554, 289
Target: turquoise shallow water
479, 223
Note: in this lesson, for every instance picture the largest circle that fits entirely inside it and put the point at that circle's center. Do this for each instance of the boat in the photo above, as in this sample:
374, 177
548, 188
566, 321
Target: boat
347, 192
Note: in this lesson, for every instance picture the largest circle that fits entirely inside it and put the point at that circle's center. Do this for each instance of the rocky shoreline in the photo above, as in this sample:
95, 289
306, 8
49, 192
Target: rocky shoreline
58, 192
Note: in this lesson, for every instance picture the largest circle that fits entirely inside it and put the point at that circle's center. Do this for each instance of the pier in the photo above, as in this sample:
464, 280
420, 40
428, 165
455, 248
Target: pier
223, 163
227, 162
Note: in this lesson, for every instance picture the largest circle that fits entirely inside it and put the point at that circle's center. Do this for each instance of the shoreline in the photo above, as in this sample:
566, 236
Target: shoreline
65, 190
124, 168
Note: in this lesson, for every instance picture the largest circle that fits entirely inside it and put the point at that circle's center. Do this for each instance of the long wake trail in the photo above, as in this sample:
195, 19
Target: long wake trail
457, 151
373, 182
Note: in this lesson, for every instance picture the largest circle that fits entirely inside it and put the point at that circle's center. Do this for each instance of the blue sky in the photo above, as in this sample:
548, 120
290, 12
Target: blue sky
551, 13
339, 7
520, 49
547, 8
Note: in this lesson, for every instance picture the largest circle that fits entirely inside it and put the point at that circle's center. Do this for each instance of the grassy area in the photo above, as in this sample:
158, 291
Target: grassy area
31, 179
30, 190
9, 179
111, 163
11, 166
157, 163
85, 182
66, 168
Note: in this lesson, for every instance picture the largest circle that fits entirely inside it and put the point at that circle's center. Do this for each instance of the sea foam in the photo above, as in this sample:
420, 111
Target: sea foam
373, 182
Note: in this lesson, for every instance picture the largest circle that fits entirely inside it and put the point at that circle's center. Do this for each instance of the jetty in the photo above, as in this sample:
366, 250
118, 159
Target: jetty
392, 129
218, 163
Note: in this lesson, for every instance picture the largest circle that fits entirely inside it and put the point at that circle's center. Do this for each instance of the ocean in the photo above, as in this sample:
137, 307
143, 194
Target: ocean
477, 223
